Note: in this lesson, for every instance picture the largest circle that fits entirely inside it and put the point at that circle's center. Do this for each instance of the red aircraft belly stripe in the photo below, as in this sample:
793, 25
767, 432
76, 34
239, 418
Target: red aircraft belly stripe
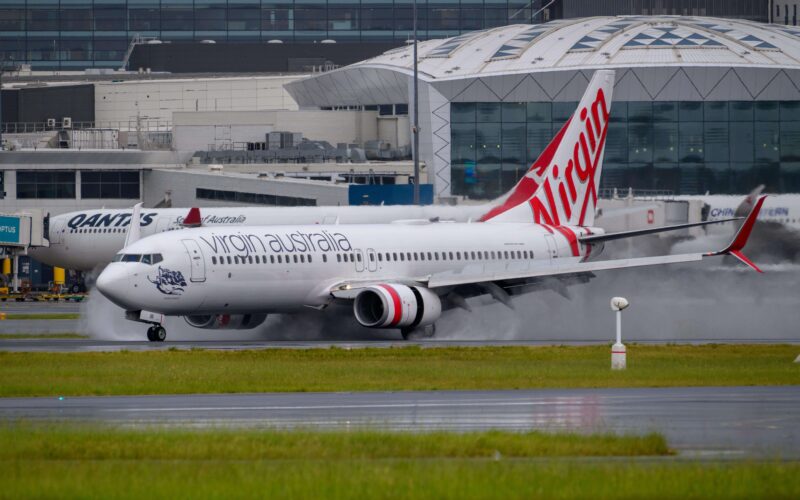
398, 307
569, 234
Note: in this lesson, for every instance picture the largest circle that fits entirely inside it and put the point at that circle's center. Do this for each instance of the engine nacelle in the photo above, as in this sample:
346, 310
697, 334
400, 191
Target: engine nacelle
396, 306
225, 321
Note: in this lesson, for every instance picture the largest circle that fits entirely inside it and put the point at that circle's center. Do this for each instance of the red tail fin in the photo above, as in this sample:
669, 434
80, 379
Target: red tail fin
561, 186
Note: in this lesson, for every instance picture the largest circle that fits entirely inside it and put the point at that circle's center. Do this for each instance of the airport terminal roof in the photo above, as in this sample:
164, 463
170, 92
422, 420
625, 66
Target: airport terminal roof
598, 42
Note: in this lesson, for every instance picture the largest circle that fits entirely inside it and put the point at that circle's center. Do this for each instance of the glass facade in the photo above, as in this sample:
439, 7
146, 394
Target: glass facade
685, 147
110, 185
76, 34
45, 184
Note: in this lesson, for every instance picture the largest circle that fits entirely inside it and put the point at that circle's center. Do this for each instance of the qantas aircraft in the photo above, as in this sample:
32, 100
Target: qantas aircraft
398, 276
87, 239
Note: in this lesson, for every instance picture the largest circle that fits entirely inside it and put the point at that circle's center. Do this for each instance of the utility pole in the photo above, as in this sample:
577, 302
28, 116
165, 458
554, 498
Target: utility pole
415, 127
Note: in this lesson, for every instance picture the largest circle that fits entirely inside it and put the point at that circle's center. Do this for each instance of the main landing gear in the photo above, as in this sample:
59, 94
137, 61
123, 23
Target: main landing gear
419, 332
156, 333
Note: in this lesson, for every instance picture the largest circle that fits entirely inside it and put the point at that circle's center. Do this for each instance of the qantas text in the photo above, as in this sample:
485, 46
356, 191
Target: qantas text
108, 220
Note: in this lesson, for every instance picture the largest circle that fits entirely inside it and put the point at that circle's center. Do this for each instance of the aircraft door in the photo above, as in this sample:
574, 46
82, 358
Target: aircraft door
56, 233
551, 246
198, 269
359, 255
372, 260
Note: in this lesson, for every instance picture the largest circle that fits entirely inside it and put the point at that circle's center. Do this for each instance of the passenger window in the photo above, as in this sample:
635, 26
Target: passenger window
402, 256
324, 258
416, 257
309, 259
295, 259
229, 259
394, 256
429, 256
408, 256
271, 259
380, 257
302, 259
280, 261
250, 259
372, 257
338, 257
421, 255
213, 260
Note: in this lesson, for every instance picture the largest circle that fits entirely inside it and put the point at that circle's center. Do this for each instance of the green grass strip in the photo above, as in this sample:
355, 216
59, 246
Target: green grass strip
406, 368
71, 442
42, 316
56, 335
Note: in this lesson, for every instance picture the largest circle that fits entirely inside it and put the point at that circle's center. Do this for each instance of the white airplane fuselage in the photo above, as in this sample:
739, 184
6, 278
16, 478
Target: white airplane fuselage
781, 208
87, 239
268, 269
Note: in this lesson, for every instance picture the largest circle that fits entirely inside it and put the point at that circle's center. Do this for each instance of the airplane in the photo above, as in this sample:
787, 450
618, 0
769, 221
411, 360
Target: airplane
783, 209
85, 240
395, 276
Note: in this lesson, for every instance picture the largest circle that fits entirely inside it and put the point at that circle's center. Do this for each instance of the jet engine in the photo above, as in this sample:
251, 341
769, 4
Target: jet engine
396, 306
225, 321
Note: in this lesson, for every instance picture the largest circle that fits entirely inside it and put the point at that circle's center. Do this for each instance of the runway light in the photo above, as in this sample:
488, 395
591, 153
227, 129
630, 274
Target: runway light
618, 350
61, 398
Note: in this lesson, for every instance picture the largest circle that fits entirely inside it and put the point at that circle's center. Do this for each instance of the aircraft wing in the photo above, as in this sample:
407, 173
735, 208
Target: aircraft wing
477, 274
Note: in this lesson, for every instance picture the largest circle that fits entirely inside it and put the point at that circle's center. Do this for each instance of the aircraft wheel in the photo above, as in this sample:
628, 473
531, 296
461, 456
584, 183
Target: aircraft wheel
151, 334
424, 332
159, 333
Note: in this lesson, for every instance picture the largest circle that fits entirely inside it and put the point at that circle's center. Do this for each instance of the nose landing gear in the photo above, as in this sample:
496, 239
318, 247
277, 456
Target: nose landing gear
156, 333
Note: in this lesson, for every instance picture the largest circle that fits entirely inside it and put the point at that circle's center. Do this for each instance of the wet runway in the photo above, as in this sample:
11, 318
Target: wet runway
698, 421
93, 345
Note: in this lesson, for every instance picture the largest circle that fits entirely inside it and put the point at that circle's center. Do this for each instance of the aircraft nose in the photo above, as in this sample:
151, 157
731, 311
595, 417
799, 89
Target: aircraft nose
114, 283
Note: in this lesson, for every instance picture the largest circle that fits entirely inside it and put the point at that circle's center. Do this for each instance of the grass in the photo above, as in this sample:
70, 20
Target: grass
42, 315
74, 442
56, 335
74, 462
406, 368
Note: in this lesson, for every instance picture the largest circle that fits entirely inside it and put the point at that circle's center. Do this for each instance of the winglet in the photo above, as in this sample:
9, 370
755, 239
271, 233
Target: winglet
134, 226
740, 240
192, 219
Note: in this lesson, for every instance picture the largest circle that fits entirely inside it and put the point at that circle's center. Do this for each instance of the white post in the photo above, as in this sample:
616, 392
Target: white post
618, 350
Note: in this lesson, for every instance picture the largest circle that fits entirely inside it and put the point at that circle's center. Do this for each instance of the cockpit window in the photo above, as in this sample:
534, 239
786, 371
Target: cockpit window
148, 258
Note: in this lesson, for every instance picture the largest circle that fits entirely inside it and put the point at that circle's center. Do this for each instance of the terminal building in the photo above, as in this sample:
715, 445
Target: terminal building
700, 104
277, 36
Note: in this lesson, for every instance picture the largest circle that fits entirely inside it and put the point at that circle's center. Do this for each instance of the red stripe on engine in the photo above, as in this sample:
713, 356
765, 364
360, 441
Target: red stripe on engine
398, 307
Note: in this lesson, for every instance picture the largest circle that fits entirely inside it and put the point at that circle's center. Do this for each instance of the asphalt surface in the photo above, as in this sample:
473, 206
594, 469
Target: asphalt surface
40, 326
92, 345
734, 422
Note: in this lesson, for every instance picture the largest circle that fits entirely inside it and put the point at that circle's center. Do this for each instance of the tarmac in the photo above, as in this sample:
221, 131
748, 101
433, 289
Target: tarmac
94, 345
706, 422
